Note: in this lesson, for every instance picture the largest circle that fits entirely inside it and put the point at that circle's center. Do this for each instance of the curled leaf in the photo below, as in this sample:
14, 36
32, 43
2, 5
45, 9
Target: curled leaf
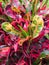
37, 25
7, 27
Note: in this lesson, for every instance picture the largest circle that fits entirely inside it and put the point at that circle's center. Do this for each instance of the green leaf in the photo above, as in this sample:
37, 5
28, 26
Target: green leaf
20, 1
4, 2
7, 27
43, 55
48, 3
1, 0
24, 33
47, 36
44, 2
36, 62
37, 25
6, 18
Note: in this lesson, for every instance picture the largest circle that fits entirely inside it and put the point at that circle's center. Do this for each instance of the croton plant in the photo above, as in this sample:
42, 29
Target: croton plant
24, 32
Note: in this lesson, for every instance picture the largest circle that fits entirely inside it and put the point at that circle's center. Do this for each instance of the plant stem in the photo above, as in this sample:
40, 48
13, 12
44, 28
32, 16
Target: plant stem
36, 1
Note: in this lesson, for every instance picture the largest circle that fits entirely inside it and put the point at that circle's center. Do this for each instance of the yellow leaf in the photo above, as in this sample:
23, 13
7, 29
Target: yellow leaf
15, 9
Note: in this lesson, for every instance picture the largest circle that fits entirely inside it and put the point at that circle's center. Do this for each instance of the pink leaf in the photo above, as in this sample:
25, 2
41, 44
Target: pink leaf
15, 47
4, 52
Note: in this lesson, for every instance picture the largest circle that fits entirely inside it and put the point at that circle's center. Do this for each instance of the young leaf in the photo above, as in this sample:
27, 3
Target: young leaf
24, 33
37, 24
7, 27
